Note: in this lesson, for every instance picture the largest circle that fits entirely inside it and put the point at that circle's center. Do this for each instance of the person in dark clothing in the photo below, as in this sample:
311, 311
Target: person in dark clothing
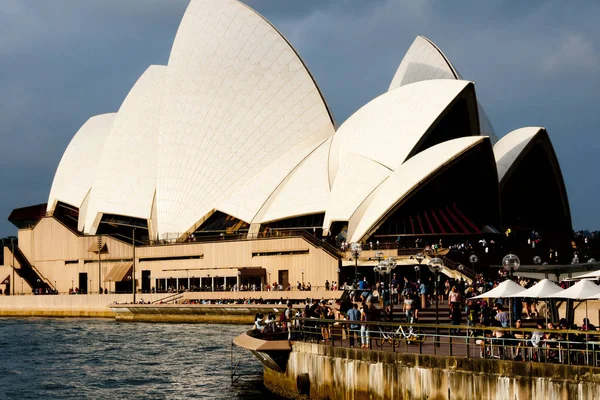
455, 317
353, 315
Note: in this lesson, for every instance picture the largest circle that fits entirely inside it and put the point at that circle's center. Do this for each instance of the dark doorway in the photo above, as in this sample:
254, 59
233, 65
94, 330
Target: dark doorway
83, 282
145, 281
124, 286
284, 278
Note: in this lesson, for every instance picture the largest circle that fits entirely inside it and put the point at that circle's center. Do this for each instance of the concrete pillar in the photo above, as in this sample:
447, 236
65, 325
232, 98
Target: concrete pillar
238, 282
213, 284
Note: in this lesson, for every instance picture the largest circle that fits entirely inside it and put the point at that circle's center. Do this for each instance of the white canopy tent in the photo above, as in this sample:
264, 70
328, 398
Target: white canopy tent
543, 288
582, 290
505, 289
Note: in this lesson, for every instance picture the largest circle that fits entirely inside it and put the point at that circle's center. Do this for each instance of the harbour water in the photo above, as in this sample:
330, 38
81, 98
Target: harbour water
104, 359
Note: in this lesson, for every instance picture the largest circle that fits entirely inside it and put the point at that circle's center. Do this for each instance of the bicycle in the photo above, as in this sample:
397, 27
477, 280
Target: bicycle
391, 337
413, 335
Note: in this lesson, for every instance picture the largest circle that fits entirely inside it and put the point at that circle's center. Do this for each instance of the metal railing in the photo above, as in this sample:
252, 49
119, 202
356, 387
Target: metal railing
570, 347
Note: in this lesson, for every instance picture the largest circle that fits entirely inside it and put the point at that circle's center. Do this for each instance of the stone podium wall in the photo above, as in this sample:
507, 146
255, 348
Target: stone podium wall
346, 373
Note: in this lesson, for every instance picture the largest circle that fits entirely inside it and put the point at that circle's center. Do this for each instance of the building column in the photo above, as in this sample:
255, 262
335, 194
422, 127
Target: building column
213, 283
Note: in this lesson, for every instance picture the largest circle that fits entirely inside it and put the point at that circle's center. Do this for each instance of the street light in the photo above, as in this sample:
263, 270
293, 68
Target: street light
356, 249
12, 282
385, 268
379, 255
511, 263
473, 259
435, 266
133, 265
302, 270
419, 257
537, 260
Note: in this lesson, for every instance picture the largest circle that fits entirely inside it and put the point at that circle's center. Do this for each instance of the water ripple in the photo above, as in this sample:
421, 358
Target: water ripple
99, 359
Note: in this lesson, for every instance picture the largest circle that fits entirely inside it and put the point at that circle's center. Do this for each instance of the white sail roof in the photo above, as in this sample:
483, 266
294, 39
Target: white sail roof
508, 149
125, 179
304, 191
388, 128
77, 167
237, 98
425, 61
405, 179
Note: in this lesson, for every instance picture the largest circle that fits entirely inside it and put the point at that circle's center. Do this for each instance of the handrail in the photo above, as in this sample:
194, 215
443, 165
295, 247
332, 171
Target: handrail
171, 297
468, 272
566, 346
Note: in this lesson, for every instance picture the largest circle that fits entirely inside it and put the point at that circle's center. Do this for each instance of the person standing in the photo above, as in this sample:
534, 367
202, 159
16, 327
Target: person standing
364, 330
353, 315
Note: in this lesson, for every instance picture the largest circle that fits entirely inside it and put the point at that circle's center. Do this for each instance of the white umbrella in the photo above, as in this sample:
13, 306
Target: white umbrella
505, 289
582, 290
543, 288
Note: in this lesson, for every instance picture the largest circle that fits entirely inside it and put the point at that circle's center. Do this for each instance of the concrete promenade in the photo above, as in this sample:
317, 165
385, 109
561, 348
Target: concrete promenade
98, 306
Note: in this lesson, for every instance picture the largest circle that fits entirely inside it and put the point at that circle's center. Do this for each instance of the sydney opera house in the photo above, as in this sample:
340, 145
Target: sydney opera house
227, 163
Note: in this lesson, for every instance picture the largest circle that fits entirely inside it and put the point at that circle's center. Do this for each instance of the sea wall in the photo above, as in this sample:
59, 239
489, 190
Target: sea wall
64, 305
193, 313
346, 373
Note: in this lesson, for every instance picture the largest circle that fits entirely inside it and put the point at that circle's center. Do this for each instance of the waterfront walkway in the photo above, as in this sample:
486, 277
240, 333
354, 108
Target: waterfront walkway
521, 345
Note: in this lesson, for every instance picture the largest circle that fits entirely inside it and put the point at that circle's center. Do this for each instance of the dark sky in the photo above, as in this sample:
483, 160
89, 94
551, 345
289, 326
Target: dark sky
535, 63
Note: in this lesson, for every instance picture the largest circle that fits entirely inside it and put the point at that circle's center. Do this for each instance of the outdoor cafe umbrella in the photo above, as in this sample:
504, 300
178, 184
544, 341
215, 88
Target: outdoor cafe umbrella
505, 289
543, 288
582, 290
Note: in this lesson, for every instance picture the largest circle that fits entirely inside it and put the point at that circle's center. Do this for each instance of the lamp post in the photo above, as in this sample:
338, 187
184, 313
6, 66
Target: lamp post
417, 272
435, 266
473, 259
511, 263
384, 268
55, 289
133, 266
99, 244
379, 257
391, 261
12, 281
22, 287
302, 277
356, 249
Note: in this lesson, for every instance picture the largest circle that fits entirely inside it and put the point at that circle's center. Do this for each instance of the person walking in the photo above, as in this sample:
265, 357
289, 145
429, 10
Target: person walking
353, 315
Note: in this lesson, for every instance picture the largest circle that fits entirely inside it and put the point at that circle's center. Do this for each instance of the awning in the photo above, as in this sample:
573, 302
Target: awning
119, 272
94, 248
